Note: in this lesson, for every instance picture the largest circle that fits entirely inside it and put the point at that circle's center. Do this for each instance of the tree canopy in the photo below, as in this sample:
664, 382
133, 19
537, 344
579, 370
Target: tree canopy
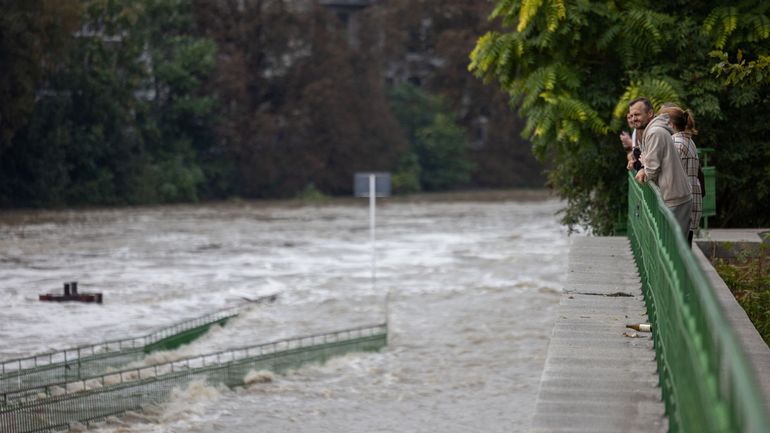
117, 116
147, 101
34, 36
571, 67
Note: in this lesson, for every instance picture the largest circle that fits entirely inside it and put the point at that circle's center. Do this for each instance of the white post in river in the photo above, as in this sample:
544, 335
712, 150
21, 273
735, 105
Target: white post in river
373, 185
372, 222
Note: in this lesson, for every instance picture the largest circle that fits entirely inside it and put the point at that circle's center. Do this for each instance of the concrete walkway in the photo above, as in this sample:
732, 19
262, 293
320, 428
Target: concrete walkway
600, 376
732, 235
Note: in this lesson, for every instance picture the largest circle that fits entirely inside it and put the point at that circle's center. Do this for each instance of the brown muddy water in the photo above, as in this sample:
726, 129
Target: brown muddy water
474, 283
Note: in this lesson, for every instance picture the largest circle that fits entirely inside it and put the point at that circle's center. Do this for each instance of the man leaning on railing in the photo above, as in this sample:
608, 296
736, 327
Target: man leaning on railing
661, 161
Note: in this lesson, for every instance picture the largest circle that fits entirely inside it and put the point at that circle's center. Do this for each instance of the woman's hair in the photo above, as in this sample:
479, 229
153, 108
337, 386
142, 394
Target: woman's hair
682, 120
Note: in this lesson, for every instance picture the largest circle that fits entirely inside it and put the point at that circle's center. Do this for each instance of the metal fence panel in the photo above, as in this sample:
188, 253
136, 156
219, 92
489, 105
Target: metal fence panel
57, 406
90, 360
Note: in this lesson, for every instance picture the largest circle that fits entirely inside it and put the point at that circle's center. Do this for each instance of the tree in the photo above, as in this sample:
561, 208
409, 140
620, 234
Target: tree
144, 101
741, 29
439, 146
80, 143
739, 35
34, 37
572, 67
304, 106
118, 119
178, 126
427, 44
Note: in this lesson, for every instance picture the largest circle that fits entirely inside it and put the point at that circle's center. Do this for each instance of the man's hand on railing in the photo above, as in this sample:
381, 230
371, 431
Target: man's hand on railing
641, 176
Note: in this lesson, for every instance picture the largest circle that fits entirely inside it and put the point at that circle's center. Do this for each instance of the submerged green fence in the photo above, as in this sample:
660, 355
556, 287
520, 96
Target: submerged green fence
707, 382
94, 359
57, 406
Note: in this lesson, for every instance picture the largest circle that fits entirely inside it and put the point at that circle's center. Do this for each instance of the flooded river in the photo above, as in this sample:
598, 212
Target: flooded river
474, 284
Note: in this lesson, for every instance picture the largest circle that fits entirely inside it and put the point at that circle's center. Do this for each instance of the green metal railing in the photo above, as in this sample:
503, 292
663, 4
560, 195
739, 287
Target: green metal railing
57, 406
90, 360
707, 382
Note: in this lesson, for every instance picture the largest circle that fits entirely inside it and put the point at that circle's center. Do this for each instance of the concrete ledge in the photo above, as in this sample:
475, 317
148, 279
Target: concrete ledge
748, 336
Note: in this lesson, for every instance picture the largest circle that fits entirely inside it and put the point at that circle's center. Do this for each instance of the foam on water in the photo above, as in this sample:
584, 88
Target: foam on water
185, 408
261, 376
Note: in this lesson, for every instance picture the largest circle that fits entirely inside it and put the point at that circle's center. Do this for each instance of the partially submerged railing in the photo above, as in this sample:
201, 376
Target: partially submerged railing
56, 406
93, 359
707, 382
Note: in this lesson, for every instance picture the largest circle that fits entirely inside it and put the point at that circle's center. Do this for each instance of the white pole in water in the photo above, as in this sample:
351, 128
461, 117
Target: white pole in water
372, 199
379, 183
372, 219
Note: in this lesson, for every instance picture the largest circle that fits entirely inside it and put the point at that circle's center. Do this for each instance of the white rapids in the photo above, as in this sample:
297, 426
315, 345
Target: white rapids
474, 284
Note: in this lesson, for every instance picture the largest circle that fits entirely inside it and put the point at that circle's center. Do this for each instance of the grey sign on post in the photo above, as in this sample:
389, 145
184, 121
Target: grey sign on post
381, 184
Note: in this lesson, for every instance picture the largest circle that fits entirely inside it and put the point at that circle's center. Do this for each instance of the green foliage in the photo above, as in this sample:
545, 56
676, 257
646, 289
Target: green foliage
414, 108
572, 81
438, 144
311, 194
406, 178
121, 118
742, 30
748, 277
178, 130
82, 122
656, 90
754, 72
562, 87
441, 149
720, 24
170, 180
34, 37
